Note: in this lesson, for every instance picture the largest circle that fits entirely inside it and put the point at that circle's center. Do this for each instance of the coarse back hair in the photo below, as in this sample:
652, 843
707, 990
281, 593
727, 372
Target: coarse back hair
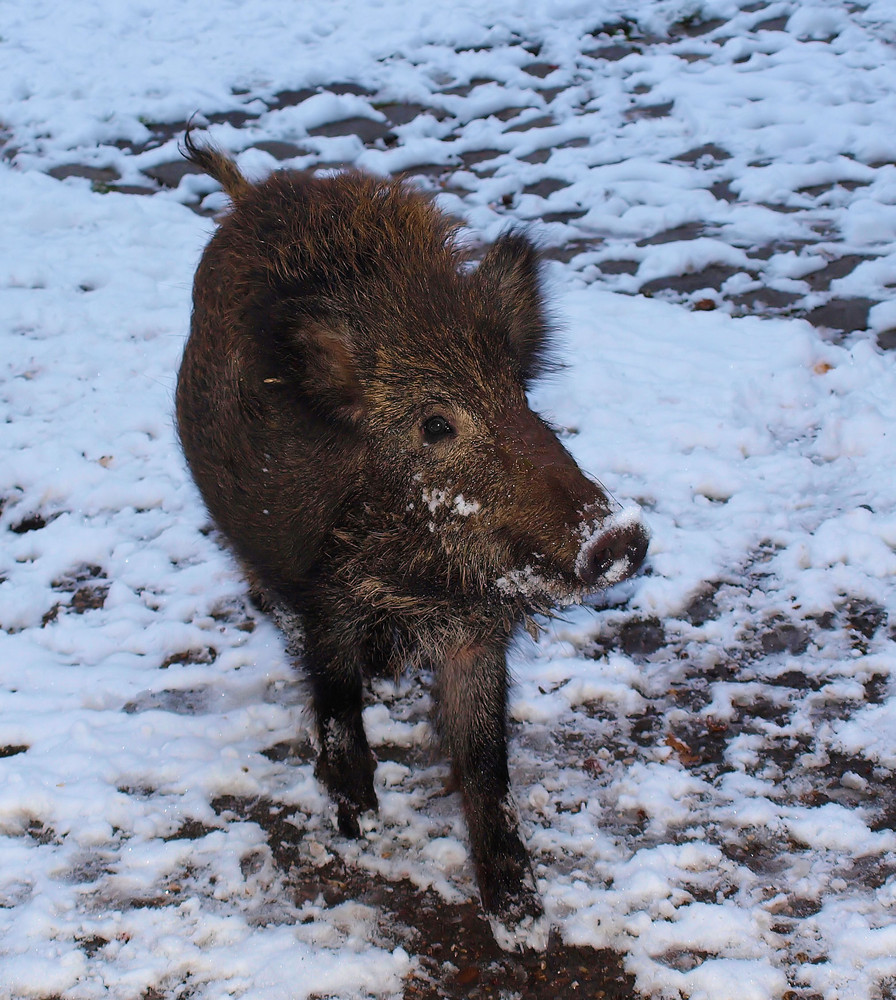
331, 247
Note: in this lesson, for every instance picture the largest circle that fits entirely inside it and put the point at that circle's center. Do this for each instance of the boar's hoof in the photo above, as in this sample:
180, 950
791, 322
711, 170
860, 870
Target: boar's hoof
348, 809
508, 890
351, 790
347, 814
532, 933
516, 914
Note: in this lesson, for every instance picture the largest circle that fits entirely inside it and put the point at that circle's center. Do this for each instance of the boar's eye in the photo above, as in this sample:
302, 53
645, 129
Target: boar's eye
436, 428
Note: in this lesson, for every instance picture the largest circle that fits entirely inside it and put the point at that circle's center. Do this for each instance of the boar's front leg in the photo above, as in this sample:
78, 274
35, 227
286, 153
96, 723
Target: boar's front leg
334, 666
472, 694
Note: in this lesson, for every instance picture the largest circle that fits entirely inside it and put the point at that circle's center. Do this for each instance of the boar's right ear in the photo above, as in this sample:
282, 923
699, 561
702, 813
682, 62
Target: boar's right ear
510, 283
323, 365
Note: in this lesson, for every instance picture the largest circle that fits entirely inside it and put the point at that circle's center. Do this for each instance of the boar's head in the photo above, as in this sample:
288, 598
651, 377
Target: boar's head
424, 362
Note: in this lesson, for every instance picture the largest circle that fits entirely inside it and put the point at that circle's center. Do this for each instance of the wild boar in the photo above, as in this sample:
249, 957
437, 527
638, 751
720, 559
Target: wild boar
352, 406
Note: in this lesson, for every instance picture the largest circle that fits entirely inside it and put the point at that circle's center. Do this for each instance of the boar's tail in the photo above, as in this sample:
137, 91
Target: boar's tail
216, 164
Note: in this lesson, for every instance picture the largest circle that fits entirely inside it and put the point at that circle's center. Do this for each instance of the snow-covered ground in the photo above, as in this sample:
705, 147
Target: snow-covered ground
706, 761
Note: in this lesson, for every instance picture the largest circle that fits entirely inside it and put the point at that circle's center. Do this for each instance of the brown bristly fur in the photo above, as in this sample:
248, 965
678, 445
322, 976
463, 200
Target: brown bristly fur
213, 162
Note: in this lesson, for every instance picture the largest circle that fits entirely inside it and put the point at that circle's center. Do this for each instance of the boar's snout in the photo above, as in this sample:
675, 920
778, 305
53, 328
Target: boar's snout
613, 550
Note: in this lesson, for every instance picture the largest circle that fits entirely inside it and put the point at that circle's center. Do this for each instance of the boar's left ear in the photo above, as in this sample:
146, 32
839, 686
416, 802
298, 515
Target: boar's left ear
510, 283
322, 365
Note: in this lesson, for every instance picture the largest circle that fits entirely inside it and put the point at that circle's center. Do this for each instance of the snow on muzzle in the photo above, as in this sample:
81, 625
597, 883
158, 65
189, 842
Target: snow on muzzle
613, 549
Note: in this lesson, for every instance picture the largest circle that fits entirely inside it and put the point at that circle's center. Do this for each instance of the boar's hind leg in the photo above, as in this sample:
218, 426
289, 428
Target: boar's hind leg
472, 689
345, 764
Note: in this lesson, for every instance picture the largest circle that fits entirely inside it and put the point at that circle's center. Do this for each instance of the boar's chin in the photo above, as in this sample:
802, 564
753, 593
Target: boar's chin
538, 591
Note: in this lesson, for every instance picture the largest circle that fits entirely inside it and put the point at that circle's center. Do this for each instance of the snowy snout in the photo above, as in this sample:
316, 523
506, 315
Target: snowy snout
613, 550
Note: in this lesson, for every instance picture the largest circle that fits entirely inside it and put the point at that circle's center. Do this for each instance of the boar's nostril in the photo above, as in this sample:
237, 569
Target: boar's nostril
612, 555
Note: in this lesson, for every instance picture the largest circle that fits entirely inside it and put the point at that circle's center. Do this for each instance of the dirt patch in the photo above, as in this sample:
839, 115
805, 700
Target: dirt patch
456, 955
452, 943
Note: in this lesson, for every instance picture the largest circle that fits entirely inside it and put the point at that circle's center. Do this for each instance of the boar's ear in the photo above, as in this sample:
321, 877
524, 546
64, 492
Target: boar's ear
323, 365
510, 283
